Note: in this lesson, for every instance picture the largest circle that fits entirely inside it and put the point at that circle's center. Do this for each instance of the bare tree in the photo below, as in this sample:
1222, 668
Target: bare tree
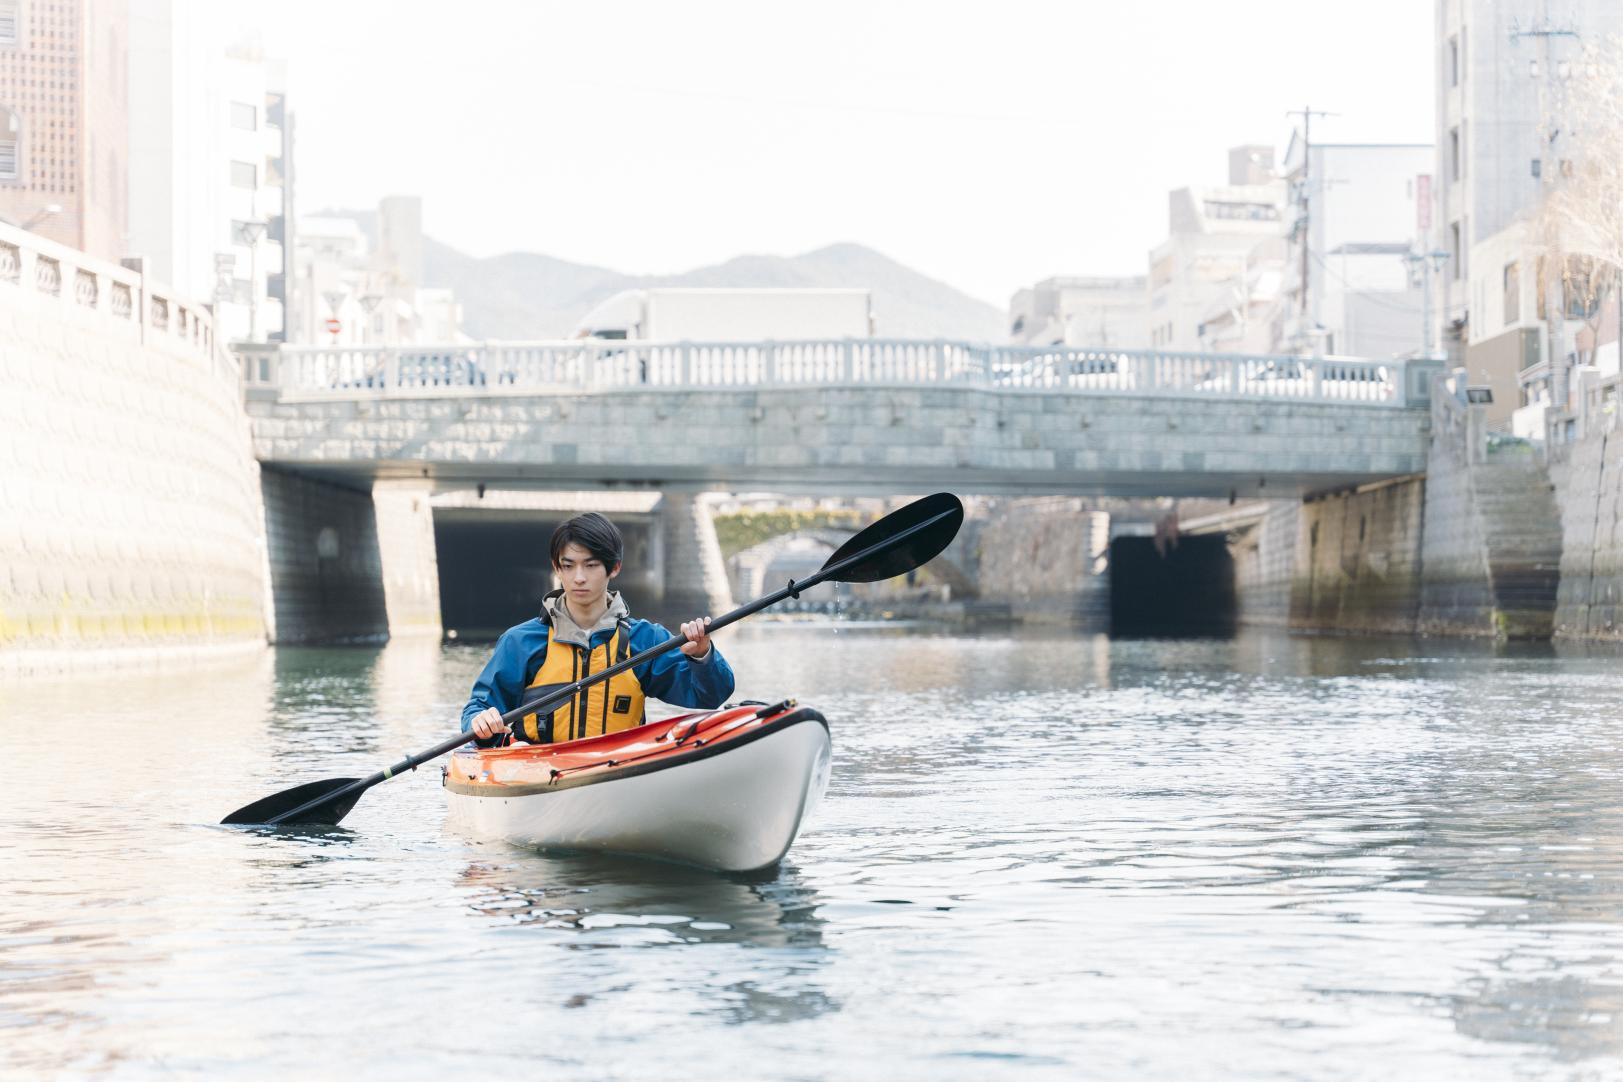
1579, 224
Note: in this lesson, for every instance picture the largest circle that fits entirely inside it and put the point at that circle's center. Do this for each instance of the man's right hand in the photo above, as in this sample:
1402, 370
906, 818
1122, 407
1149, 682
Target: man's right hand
488, 724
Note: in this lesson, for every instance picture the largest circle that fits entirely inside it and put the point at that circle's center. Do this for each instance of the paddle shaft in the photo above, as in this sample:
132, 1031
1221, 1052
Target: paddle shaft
563, 694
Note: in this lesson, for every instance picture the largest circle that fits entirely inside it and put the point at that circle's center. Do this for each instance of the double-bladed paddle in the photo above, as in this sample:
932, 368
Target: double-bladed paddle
901, 541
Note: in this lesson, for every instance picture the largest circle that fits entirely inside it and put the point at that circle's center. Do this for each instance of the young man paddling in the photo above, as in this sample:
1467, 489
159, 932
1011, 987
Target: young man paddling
584, 628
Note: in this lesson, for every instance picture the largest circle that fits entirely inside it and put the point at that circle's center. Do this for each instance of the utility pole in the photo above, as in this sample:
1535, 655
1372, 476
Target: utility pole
1428, 265
1305, 201
1549, 167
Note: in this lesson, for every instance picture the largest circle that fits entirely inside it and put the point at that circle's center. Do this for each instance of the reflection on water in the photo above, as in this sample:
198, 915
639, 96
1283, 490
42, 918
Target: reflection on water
1039, 857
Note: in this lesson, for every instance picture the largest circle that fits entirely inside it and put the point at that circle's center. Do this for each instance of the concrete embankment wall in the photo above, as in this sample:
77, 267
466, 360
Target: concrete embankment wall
1470, 549
349, 566
1588, 477
1264, 558
1358, 560
131, 522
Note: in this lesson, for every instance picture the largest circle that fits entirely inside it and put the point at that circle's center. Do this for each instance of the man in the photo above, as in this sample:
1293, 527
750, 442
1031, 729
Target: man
584, 628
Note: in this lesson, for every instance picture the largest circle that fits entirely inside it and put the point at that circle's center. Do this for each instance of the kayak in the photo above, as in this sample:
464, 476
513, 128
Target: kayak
725, 790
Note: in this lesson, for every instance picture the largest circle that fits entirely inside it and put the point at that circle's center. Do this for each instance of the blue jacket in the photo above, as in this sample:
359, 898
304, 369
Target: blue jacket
671, 677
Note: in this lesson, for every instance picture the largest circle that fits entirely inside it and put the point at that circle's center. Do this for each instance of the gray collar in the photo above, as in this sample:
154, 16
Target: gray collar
564, 628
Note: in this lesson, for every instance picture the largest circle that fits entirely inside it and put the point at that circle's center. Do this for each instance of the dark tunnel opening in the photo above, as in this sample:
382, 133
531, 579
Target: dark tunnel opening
494, 569
1187, 591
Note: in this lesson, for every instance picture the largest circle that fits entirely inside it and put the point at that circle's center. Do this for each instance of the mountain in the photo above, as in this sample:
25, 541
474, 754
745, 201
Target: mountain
526, 295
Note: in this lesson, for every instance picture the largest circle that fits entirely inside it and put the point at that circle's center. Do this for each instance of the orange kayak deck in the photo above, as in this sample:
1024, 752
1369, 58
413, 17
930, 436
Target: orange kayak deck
525, 769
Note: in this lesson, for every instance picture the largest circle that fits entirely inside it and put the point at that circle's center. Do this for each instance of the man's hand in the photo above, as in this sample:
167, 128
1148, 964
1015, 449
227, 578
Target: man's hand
698, 644
488, 724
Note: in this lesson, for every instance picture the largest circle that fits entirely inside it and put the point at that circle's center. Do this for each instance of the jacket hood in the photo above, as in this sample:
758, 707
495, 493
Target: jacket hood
564, 627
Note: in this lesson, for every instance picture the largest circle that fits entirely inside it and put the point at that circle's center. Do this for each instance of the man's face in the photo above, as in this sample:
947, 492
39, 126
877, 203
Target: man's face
584, 578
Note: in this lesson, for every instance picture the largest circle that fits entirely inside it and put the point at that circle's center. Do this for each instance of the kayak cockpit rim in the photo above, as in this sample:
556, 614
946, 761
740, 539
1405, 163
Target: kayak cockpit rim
575, 778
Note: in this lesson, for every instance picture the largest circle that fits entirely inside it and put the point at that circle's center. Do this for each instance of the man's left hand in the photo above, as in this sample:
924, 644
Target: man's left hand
698, 636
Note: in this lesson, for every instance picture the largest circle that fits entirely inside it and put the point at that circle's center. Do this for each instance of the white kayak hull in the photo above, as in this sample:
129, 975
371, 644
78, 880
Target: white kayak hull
736, 809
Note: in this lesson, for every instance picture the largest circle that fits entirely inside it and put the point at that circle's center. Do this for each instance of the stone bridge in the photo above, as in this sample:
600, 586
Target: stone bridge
1185, 425
398, 429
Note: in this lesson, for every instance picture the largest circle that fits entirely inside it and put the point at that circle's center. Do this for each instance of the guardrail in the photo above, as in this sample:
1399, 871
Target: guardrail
89, 288
484, 368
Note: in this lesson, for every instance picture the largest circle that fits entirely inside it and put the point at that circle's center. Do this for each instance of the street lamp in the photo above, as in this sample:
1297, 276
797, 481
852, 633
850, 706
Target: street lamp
251, 232
369, 304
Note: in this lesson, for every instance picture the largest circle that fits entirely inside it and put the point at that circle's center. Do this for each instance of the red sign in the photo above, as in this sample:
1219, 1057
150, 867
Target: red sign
1422, 202
333, 325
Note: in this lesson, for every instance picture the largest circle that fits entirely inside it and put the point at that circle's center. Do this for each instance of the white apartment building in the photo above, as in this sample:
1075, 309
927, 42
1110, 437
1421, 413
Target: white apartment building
1351, 285
1502, 69
1107, 313
209, 184
1215, 237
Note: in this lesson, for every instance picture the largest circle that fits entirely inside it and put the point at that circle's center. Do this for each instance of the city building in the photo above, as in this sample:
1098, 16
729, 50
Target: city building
350, 291
1353, 285
1109, 313
1503, 77
64, 150
1215, 237
1243, 317
210, 186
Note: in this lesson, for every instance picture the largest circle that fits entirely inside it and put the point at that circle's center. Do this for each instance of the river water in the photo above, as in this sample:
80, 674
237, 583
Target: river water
1040, 857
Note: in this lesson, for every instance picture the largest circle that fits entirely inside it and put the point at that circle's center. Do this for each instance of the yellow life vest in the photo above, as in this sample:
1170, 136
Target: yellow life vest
607, 707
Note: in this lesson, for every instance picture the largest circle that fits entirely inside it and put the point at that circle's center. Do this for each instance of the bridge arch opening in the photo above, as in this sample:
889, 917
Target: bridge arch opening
494, 567
1181, 588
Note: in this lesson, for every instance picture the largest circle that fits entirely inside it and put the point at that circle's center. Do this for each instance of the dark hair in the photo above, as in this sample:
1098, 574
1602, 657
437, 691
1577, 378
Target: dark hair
592, 532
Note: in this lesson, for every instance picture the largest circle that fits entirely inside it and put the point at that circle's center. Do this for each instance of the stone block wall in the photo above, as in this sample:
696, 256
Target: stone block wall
1457, 594
1358, 560
130, 518
1264, 560
1046, 558
1588, 475
695, 574
1493, 543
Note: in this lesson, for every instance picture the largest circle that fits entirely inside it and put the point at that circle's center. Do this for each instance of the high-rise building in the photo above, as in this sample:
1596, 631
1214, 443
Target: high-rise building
63, 121
210, 177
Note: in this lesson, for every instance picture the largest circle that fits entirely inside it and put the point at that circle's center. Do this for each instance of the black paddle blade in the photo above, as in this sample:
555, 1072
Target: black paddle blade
916, 550
263, 811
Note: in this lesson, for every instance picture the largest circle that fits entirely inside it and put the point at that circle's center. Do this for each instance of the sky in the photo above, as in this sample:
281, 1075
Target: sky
989, 145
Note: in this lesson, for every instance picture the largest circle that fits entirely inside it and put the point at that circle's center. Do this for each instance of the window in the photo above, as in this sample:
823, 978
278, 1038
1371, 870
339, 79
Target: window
244, 116
1456, 255
8, 22
1454, 172
244, 175
1454, 61
1513, 292
1253, 212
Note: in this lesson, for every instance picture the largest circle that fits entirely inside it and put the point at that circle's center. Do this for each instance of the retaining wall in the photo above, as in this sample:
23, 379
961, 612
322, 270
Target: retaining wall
1047, 560
1588, 475
131, 522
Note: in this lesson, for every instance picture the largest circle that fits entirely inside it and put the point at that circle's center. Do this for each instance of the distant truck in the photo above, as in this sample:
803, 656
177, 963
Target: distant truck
730, 315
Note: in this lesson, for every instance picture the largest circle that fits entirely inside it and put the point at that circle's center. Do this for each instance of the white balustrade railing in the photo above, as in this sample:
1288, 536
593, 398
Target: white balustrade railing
81, 286
595, 364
